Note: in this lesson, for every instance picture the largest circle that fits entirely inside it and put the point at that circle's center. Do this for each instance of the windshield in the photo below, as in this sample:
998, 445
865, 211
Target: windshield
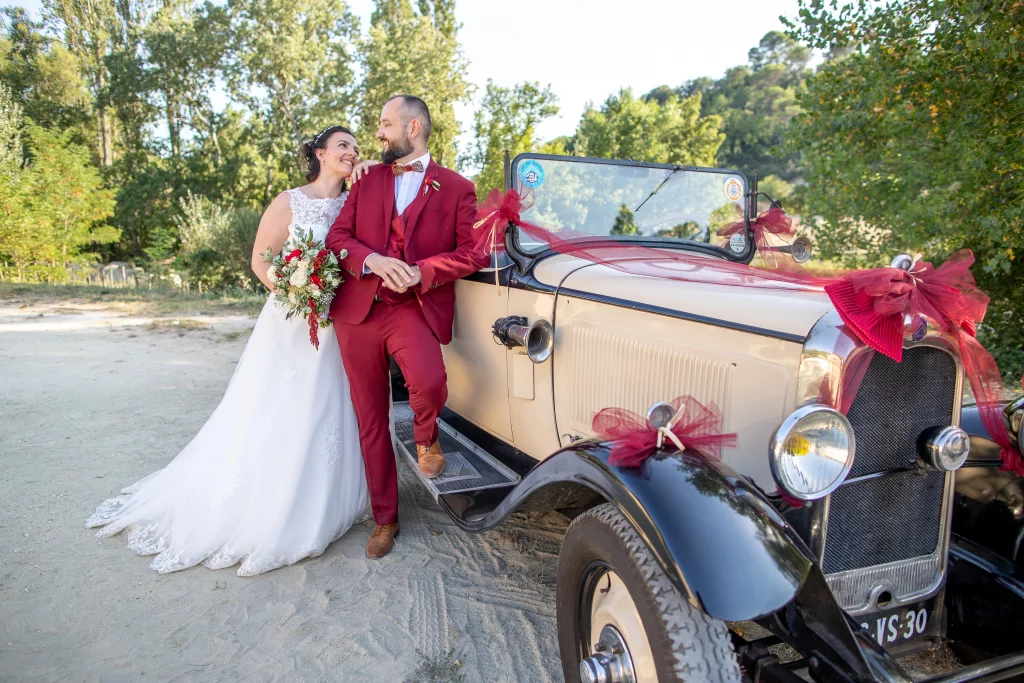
628, 201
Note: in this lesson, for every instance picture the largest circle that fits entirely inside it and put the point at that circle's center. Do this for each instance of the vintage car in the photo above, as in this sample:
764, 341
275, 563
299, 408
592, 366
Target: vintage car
690, 568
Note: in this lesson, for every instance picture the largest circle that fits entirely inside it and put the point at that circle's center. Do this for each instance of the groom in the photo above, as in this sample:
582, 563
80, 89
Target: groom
407, 226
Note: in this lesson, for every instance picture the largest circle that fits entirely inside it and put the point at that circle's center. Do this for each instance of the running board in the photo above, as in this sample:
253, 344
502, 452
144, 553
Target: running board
467, 466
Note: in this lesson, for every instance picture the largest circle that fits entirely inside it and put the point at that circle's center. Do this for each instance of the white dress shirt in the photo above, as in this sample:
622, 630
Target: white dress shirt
406, 187
408, 184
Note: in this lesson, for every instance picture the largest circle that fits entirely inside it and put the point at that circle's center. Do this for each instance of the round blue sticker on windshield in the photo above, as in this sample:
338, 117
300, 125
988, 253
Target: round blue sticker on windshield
531, 173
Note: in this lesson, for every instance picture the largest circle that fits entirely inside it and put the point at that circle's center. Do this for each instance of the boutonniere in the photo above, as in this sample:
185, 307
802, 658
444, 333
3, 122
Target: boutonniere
430, 182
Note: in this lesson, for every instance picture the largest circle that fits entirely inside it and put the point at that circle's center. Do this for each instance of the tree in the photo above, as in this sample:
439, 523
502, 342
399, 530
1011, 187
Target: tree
911, 142
629, 128
506, 121
44, 77
416, 52
184, 50
624, 224
10, 132
756, 103
775, 47
289, 61
56, 207
102, 34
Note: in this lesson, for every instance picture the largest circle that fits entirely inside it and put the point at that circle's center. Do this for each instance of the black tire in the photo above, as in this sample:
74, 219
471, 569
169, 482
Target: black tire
687, 644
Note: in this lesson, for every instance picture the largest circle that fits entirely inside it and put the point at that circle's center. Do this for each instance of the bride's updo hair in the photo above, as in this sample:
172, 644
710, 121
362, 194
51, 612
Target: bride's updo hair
309, 147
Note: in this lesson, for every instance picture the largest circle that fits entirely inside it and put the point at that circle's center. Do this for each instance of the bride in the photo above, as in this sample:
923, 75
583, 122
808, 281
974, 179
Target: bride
276, 473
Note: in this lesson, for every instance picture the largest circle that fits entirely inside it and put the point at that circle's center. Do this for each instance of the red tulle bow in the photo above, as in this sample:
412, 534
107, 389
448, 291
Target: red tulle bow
769, 223
495, 214
774, 221
874, 303
694, 428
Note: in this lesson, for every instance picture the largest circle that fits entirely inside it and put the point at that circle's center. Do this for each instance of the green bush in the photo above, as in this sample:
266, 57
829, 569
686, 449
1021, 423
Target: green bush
1003, 335
234, 245
216, 243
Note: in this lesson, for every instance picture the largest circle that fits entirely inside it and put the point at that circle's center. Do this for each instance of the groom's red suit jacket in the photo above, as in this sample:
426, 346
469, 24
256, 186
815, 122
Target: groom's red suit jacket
438, 238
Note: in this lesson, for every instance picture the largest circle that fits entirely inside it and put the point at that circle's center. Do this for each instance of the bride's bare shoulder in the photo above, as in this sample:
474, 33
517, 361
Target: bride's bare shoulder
280, 208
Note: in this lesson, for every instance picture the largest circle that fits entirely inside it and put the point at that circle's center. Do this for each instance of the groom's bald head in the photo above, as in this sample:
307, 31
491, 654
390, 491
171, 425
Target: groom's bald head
413, 107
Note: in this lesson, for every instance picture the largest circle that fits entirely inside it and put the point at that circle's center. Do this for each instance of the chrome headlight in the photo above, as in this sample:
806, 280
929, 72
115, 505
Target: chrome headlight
812, 452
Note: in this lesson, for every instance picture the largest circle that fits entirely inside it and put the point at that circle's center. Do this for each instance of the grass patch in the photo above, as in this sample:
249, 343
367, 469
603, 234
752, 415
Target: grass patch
176, 325
158, 301
233, 335
443, 670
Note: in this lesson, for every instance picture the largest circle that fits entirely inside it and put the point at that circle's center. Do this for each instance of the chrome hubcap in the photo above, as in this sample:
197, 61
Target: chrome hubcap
619, 649
610, 663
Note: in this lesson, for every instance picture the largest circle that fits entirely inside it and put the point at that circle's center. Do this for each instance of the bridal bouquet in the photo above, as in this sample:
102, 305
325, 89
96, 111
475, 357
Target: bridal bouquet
305, 275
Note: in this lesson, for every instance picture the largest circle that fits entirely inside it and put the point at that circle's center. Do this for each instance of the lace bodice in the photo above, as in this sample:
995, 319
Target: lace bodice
312, 214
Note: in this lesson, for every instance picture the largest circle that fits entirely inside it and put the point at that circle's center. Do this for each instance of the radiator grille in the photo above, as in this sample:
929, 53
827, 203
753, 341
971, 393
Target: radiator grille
884, 520
896, 516
898, 401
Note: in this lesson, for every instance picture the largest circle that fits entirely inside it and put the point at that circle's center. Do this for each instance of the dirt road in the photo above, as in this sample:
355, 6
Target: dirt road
92, 399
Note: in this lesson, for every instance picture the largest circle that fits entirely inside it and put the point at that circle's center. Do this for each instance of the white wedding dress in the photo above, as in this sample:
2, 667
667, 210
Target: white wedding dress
276, 473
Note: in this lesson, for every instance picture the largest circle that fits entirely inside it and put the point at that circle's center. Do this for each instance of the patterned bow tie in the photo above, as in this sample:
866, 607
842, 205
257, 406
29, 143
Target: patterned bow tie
415, 167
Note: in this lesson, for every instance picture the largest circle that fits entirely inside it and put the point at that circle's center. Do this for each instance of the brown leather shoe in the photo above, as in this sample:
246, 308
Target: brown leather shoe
382, 540
430, 459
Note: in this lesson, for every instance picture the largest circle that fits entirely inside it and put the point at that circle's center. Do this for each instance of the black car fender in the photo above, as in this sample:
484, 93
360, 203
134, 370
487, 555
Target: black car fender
714, 534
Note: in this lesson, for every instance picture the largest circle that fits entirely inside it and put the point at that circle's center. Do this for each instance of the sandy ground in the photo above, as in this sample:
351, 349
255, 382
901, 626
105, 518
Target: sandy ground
92, 399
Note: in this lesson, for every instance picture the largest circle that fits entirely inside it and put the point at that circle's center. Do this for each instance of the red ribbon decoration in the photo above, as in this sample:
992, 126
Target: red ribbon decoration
696, 426
495, 214
773, 222
874, 303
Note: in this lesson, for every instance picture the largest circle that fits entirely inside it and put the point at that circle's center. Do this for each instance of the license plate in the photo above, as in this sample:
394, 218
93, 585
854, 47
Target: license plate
897, 626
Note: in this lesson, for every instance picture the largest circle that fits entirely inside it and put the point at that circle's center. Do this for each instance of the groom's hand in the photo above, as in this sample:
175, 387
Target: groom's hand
397, 275
417, 279
361, 168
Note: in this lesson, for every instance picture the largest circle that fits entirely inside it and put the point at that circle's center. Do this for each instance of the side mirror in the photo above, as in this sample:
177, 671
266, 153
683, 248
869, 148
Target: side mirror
800, 250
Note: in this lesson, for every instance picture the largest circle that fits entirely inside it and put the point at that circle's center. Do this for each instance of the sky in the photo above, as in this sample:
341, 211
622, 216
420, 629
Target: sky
588, 49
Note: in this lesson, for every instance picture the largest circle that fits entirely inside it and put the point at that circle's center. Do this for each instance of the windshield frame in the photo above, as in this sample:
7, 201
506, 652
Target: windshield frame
526, 255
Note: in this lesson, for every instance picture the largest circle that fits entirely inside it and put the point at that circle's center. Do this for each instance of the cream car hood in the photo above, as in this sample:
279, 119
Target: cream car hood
787, 312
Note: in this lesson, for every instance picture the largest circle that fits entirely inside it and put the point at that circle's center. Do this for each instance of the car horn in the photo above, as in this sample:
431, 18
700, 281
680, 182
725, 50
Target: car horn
538, 339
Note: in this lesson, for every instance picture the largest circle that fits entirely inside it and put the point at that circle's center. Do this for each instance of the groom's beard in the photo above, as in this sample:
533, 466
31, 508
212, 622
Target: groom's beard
396, 150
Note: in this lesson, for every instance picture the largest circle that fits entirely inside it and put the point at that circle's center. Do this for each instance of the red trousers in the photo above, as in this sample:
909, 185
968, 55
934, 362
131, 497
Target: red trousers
401, 331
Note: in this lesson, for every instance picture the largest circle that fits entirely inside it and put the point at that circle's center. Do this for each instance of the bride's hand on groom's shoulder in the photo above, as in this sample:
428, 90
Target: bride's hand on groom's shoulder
361, 168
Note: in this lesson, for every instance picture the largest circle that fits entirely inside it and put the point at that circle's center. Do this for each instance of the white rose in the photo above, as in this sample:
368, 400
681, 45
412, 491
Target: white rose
299, 278
272, 274
314, 291
292, 298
